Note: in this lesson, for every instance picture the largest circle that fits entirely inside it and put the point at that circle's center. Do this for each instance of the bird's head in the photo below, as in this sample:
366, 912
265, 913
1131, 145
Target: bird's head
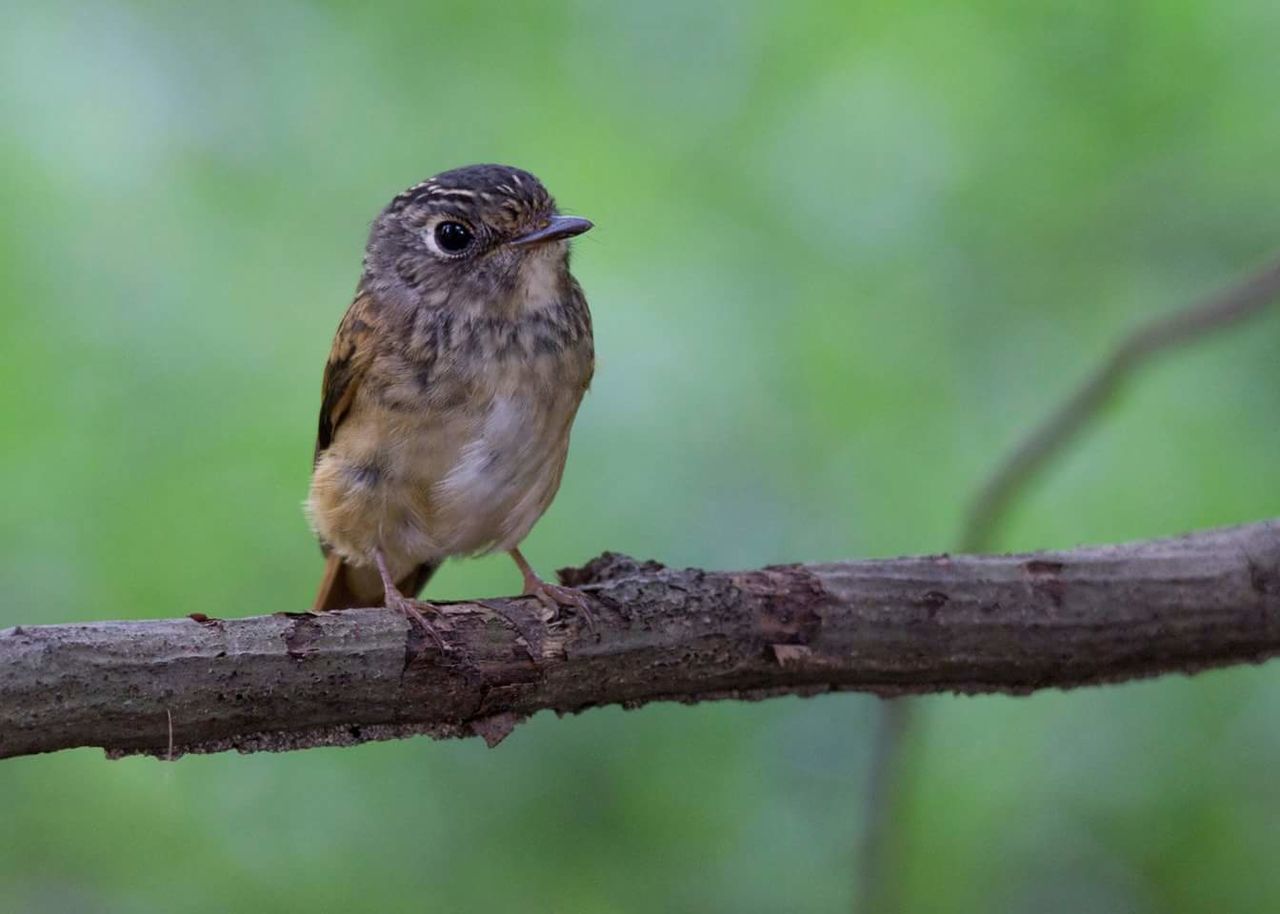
479, 238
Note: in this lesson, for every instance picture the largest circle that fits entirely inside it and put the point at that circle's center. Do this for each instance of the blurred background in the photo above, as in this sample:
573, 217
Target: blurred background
846, 254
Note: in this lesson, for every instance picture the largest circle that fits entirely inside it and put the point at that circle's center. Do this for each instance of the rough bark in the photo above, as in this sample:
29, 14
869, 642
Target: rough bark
1009, 624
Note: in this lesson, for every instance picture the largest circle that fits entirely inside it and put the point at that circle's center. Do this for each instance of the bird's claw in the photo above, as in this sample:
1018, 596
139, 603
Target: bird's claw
555, 596
412, 611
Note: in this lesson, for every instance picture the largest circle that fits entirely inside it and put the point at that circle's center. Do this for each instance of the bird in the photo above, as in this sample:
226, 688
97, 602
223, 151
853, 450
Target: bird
450, 390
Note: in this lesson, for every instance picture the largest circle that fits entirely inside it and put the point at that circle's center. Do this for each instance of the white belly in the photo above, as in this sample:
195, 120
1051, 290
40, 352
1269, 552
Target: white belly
504, 478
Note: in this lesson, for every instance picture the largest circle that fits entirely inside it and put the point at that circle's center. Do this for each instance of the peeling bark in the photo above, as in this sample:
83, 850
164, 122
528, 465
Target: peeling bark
1011, 624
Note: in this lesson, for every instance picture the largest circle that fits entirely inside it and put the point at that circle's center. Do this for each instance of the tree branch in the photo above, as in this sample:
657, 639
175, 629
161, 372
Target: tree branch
924, 624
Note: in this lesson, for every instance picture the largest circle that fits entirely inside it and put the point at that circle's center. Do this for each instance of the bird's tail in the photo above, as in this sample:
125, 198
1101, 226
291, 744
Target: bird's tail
347, 586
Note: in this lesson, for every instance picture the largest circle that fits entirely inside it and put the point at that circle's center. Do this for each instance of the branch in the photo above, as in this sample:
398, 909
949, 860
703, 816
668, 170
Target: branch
925, 624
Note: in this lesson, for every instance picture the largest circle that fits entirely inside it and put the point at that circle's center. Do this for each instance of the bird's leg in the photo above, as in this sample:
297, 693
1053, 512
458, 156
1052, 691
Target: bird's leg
396, 600
552, 596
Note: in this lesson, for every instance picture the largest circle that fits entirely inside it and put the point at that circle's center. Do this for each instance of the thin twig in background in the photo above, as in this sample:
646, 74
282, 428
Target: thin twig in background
876, 890
885, 779
991, 506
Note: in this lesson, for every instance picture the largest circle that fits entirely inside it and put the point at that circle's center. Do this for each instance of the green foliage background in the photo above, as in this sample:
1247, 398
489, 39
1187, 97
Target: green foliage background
845, 254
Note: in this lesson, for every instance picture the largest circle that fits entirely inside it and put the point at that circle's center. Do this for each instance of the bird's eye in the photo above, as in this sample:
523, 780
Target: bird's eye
453, 237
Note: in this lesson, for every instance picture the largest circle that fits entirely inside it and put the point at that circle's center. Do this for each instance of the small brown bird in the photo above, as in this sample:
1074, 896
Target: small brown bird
450, 390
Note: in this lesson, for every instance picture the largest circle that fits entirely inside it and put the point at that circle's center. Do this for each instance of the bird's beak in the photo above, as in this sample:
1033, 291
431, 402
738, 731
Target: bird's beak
556, 228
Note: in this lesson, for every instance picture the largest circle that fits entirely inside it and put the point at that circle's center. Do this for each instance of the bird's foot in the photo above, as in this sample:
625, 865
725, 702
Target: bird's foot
412, 610
555, 596
552, 596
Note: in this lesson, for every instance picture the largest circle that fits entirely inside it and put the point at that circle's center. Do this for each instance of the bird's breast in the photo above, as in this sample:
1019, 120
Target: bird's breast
509, 458
455, 446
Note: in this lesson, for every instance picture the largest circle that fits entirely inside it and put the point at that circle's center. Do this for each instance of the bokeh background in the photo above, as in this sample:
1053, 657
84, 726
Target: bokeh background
845, 255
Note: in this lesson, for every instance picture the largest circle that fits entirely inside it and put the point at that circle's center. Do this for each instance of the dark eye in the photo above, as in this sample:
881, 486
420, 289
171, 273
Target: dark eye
453, 237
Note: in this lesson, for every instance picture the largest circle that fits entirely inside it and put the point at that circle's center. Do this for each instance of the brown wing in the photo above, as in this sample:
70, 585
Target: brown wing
343, 586
349, 360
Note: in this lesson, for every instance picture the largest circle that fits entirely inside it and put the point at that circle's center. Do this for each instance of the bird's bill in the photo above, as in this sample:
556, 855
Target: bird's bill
557, 228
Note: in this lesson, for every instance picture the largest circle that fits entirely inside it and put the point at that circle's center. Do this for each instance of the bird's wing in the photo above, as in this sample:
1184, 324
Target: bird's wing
353, 350
349, 361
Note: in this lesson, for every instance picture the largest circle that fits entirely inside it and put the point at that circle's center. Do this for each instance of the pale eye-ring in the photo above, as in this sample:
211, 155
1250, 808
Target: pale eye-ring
452, 237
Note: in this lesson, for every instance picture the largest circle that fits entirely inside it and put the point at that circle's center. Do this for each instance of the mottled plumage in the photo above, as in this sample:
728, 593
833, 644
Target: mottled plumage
452, 385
